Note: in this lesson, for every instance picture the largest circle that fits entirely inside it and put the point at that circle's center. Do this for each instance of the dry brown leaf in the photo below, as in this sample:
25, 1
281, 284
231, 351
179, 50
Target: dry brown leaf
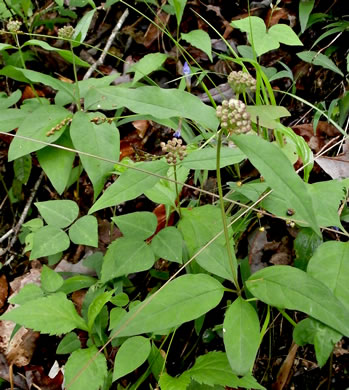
285, 369
153, 32
141, 126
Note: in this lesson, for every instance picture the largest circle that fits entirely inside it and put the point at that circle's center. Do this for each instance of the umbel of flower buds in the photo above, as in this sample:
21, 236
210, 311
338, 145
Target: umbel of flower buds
241, 81
66, 32
14, 26
233, 116
174, 150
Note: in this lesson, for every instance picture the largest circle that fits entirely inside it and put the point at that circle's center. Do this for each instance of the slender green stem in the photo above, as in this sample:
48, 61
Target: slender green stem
77, 90
288, 318
232, 260
24, 67
177, 192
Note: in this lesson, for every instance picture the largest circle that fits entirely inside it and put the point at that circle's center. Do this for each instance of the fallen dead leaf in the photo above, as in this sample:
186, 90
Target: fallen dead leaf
3, 290
285, 369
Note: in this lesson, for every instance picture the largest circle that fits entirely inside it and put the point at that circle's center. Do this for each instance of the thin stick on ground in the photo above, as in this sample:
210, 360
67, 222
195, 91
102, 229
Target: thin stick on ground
110, 41
22, 218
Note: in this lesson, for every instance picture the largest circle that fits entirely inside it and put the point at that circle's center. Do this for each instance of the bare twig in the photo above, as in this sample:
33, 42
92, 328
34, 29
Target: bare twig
108, 45
19, 224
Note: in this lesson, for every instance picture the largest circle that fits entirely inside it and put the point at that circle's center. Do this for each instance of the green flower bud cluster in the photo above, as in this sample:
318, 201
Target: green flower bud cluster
174, 150
66, 32
59, 126
233, 116
241, 81
14, 26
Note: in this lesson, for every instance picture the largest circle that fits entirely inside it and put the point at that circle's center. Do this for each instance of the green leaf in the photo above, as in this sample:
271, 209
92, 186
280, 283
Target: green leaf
58, 213
116, 314
310, 331
167, 244
277, 170
305, 8
241, 335
27, 293
199, 225
263, 40
85, 369
49, 240
85, 231
215, 259
68, 344
131, 184
290, 288
125, 256
330, 266
131, 355
206, 158
213, 368
101, 140
178, 6
51, 281
147, 65
304, 245
120, 299
22, 168
96, 306
199, 39
167, 382
53, 314
76, 283
36, 126
267, 116
141, 224
82, 27
8, 101
25, 75
152, 100
11, 118
66, 54
182, 300
320, 59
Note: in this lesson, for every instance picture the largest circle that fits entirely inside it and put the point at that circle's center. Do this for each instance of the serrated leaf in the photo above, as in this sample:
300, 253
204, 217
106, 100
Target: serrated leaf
151, 100
84, 231
49, 240
168, 382
199, 39
132, 354
277, 170
182, 300
125, 256
36, 126
27, 293
131, 184
141, 224
50, 280
320, 59
68, 344
148, 64
91, 366
101, 140
53, 314
290, 288
241, 336
58, 213
167, 244
206, 158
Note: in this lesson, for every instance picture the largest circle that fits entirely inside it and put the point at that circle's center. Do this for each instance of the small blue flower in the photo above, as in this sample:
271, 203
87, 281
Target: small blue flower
186, 69
177, 133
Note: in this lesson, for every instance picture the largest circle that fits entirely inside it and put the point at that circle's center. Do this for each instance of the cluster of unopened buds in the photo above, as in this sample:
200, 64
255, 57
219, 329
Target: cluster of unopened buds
241, 81
174, 150
14, 26
66, 32
233, 116
59, 126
